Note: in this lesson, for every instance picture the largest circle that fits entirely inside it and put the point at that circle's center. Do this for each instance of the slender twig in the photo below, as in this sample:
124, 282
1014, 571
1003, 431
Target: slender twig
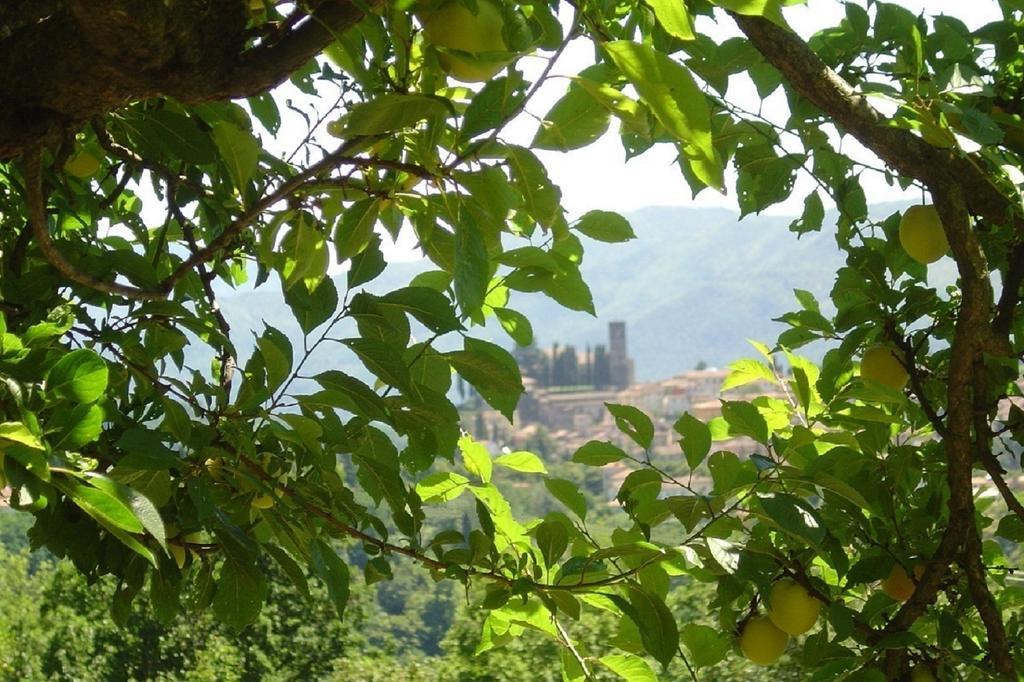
227, 353
567, 641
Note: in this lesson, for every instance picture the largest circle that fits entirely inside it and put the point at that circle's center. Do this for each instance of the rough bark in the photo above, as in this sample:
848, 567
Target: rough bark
89, 57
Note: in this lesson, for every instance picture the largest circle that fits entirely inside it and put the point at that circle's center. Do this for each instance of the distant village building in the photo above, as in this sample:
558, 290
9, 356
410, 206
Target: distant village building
620, 365
566, 392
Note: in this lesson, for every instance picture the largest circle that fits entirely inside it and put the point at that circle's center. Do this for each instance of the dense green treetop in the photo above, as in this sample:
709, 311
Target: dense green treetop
143, 172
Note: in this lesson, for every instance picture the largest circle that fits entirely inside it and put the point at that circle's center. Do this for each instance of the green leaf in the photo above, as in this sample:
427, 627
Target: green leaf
173, 134
676, 101
378, 470
276, 351
240, 151
264, 107
443, 486
84, 425
605, 226
629, 667
576, 120
634, 423
154, 484
572, 671
391, 111
364, 400
81, 375
491, 106
531, 613
568, 288
177, 421
633, 115
104, 505
658, 629
476, 458
744, 420
490, 193
368, 264
523, 462
729, 473
142, 507
812, 217
472, 271
290, 568
312, 308
706, 645
145, 449
696, 439
529, 176
598, 453
552, 540
430, 307
689, 510
164, 594
793, 517
764, 177
515, 325
306, 256
492, 371
568, 494
673, 17
329, 567
747, 371
16, 432
241, 590
382, 360
354, 231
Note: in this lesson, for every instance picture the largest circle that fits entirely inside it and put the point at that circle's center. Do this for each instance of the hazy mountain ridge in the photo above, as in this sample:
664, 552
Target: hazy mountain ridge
693, 285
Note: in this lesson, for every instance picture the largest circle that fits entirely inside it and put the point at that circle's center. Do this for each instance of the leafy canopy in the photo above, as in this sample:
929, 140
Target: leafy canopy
156, 176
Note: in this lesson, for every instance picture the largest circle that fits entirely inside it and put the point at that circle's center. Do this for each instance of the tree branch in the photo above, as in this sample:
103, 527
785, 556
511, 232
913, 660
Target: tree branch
966, 379
900, 149
35, 200
261, 68
959, 188
93, 56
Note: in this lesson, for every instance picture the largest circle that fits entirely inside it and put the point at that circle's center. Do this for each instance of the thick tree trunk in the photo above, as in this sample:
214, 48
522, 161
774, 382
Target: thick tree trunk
89, 57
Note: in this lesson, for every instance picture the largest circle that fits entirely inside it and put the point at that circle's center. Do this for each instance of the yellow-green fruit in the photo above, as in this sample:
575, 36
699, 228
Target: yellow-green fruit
921, 234
883, 363
336, 128
263, 501
82, 164
898, 584
456, 27
792, 608
179, 554
922, 673
215, 467
761, 641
